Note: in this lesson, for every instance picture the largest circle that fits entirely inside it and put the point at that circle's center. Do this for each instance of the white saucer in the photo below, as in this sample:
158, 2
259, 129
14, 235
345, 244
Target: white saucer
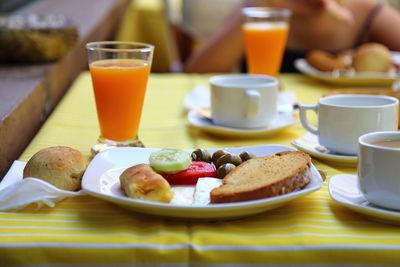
344, 189
281, 122
309, 144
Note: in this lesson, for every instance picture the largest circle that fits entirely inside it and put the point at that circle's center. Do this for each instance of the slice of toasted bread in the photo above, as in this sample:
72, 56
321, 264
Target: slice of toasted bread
264, 177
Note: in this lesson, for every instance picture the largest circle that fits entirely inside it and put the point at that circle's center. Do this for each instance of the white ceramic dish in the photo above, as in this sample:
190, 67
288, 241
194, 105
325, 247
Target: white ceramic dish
350, 78
281, 122
98, 182
309, 144
344, 189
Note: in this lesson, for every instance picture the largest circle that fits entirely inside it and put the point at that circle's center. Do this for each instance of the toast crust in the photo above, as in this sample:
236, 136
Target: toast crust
265, 177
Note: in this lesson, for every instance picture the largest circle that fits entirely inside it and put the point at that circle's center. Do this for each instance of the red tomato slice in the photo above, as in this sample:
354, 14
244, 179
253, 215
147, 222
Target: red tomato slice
190, 176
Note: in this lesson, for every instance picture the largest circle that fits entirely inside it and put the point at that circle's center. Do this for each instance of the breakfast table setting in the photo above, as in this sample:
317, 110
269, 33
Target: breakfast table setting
138, 168
322, 224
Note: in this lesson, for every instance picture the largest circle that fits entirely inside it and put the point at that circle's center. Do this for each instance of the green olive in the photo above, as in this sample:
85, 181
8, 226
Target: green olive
228, 158
201, 155
246, 155
225, 169
217, 154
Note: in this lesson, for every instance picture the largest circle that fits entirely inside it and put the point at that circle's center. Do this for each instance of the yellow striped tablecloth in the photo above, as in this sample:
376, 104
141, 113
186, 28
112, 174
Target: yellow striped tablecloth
83, 231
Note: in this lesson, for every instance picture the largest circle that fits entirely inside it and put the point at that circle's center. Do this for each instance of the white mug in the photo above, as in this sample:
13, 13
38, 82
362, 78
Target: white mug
379, 169
342, 119
243, 100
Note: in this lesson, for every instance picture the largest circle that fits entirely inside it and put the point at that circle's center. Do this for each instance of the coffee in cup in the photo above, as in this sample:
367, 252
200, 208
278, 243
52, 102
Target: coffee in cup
342, 119
387, 143
379, 168
243, 100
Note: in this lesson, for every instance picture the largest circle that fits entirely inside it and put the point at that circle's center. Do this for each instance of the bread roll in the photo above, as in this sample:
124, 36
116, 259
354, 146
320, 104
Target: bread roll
142, 182
372, 57
60, 166
264, 177
325, 61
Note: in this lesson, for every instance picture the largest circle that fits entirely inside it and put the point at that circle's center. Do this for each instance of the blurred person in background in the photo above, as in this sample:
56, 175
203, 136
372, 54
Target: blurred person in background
329, 25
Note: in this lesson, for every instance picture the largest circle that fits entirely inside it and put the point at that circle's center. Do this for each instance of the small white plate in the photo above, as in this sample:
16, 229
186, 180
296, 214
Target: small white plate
348, 78
309, 144
344, 189
280, 122
98, 182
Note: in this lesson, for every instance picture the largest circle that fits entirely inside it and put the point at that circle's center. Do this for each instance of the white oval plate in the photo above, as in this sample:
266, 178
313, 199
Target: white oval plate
281, 122
350, 79
98, 183
344, 189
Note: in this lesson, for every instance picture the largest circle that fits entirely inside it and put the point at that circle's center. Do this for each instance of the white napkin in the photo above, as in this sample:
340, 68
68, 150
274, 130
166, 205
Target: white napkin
16, 193
199, 97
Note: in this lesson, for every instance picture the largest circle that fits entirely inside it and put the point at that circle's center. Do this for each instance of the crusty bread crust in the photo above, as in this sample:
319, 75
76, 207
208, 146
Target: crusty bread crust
60, 166
265, 177
372, 57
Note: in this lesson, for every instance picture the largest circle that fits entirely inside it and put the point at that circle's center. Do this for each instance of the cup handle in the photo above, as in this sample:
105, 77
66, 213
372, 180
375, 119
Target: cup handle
253, 103
303, 117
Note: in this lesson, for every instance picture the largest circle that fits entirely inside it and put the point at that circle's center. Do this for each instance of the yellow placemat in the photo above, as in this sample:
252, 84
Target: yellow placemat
86, 230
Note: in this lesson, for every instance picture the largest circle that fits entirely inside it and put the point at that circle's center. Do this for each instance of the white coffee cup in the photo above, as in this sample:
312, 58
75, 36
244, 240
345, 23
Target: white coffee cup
379, 169
342, 119
243, 100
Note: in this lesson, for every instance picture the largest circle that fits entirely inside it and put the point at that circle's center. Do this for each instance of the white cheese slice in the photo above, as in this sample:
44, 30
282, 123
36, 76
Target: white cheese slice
183, 195
203, 189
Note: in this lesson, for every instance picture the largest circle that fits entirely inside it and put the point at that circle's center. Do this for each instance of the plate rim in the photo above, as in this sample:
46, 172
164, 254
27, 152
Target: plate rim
366, 79
316, 178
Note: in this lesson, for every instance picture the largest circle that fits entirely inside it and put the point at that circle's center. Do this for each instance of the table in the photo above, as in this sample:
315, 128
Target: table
85, 230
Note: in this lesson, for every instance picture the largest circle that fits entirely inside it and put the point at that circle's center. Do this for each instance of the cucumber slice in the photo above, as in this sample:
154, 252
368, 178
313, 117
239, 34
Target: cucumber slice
170, 160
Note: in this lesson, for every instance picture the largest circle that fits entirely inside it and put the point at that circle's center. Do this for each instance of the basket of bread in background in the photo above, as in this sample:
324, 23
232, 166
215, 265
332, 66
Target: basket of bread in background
370, 64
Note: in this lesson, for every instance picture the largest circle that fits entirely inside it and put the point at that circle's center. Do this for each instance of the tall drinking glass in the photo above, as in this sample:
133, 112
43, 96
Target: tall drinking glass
265, 33
119, 71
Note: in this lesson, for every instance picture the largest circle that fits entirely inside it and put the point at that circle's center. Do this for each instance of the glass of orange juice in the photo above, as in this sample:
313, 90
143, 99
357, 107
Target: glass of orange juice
265, 32
119, 71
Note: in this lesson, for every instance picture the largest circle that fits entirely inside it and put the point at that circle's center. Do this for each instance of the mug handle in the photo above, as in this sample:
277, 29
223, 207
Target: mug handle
303, 117
253, 103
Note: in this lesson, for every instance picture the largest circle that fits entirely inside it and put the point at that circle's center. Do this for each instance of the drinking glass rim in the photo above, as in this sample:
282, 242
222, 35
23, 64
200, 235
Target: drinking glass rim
260, 12
92, 46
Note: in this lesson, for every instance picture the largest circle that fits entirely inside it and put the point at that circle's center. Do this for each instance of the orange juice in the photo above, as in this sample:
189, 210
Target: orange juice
264, 44
119, 88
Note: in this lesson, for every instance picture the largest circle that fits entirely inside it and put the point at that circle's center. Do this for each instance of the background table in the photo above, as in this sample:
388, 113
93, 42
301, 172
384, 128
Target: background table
85, 230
